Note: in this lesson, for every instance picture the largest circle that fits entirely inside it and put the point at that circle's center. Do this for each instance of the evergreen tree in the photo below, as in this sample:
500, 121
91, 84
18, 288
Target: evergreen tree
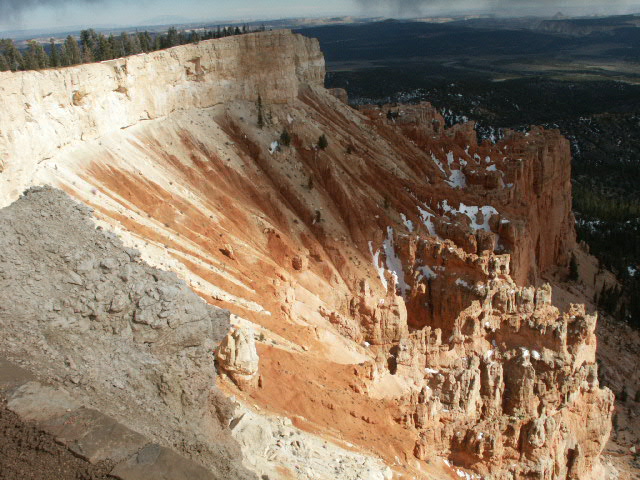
12, 55
172, 38
71, 51
260, 116
136, 48
87, 54
4, 65
41, 54
35, 58
145, 40
115, 48
104, 50
89, 41
55, 54
573, 268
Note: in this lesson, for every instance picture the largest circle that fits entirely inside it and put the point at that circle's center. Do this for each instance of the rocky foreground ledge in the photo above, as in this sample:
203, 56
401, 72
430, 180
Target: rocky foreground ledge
110, 356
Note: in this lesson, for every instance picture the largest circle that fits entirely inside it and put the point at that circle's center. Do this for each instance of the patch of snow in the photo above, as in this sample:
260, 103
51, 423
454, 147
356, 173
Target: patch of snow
450, 159
632, 270
394, 264
426, 219
376, 264
488, 354
407, 223
472, 213
457, 179
426, 272
492, 168
274, 147
432, 371
535, 354
462, 283
289, 119
438, 163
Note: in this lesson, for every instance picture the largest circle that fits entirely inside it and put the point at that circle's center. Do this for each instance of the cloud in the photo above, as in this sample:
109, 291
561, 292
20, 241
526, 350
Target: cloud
406, 8
14, 10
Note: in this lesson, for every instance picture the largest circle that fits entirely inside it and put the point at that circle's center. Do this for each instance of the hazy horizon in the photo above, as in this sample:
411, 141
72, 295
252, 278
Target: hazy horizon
56, 14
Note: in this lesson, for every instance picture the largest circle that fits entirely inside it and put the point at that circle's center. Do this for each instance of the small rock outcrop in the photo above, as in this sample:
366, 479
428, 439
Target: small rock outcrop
238, 358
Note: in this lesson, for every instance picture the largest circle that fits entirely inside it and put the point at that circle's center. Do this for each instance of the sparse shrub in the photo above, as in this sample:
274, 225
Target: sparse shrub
285, 138
623, 394
573, 269
322, 142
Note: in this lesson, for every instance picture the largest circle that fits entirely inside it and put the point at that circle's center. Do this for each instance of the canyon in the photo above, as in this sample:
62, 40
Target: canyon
394, 299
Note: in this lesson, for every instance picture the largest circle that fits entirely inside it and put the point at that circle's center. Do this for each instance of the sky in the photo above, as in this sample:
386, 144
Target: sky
28, 14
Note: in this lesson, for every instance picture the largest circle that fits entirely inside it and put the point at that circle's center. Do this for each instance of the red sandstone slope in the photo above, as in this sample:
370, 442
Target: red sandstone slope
388, 274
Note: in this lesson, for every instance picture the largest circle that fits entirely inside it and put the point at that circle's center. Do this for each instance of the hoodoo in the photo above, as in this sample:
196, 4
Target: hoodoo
390, 311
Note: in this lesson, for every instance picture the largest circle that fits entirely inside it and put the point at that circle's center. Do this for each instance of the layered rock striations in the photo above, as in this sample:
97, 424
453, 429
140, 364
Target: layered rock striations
394, 278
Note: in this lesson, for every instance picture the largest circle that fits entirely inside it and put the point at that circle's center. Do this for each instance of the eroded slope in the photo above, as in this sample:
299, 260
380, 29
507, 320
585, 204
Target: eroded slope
385, 278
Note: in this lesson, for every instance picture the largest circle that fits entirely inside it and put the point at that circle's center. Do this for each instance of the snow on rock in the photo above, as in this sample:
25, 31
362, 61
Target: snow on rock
472, 213
407, 223
426, 219
457, 179
274, 147
426, 272
438, 163
376, 264
394, 264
